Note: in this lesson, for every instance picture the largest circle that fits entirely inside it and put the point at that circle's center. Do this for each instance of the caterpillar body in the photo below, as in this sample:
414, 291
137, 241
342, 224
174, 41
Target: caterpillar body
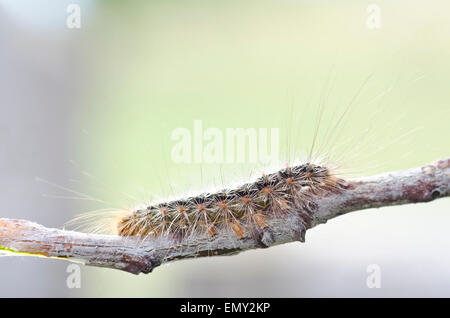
242, 211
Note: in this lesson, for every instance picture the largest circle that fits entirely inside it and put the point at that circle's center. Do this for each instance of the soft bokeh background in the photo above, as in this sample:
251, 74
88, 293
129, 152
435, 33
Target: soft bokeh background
92, 109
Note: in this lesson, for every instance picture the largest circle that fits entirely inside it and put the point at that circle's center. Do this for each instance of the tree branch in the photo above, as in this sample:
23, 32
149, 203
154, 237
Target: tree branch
21, 237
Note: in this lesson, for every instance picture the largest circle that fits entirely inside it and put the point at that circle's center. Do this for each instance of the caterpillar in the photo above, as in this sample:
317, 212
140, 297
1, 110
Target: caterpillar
242, 211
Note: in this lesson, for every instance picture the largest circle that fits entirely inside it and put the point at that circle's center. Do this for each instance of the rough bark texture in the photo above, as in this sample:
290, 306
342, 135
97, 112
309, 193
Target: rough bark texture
132, 255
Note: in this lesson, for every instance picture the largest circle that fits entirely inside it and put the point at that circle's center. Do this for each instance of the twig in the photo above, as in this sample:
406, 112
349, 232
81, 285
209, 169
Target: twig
133, 255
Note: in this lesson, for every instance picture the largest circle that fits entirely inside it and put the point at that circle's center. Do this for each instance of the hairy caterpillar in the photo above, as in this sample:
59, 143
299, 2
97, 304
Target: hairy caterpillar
241, 211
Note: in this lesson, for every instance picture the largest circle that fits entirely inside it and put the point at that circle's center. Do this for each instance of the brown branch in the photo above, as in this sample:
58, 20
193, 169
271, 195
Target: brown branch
408, 186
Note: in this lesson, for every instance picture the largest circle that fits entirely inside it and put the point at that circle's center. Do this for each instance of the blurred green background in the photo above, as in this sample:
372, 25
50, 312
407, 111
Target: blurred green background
148, 67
